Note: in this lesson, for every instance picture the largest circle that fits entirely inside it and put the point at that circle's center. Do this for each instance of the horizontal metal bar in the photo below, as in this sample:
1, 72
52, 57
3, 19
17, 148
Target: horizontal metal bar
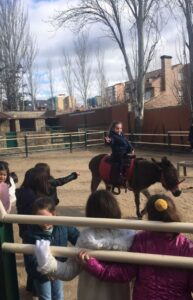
114, 256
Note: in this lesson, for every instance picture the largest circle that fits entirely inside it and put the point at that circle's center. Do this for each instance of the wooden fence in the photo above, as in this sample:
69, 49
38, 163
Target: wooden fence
70, 141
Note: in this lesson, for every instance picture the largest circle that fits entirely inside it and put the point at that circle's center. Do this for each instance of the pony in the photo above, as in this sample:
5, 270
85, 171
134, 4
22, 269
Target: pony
144, 173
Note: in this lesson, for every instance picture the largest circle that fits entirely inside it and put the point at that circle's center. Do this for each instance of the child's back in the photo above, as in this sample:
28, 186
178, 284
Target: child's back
153, 282
165, 283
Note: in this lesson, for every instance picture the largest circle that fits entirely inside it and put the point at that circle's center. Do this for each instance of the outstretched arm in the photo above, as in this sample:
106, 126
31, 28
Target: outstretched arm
63, 180
108, 272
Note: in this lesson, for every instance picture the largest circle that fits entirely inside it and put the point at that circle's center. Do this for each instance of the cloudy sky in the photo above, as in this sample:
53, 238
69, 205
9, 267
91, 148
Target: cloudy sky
50, 43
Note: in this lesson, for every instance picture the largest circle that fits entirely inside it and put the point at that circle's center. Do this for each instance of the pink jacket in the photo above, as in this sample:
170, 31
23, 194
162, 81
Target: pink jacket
4, 196
152, 283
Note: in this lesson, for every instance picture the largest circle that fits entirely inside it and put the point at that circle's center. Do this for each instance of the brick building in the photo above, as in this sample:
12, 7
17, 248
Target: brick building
115, 93
166, 86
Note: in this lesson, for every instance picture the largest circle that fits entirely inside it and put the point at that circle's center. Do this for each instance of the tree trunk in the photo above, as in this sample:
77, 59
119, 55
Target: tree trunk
139, 110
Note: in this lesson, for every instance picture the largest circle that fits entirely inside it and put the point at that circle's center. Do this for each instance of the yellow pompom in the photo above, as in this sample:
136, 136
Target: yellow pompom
161, 205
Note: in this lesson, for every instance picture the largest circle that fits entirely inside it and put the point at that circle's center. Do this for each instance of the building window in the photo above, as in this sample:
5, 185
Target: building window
148, 94
27, 125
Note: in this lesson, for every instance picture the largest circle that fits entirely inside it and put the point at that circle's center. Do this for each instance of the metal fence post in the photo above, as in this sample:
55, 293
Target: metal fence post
8, 275
169, 143
26, 146
70, 136
85, 140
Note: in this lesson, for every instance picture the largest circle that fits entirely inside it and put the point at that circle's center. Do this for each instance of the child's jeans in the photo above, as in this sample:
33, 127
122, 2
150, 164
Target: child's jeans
49, 290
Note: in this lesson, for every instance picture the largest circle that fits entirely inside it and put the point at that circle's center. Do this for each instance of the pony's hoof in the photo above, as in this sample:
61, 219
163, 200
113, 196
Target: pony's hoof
143, 212
139, 216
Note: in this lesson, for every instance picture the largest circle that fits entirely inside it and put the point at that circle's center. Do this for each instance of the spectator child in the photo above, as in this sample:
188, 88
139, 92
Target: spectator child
152, 282
25, 197
101, 204
5, 185
54, 183
46, 287
12, 189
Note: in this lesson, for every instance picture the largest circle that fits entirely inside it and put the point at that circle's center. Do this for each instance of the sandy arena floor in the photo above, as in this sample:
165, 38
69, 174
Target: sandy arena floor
73, 196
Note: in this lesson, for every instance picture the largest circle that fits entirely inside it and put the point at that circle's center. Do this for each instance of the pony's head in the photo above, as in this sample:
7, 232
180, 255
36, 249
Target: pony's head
169, 176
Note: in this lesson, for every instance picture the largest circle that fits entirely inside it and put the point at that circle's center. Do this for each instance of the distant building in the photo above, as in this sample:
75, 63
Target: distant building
165, 86
61, 103
94, 101
52, 103
41, 105
115, 93
69, 103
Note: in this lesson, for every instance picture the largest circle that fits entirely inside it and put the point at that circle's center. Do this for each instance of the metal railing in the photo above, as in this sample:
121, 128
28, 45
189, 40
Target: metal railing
8, 248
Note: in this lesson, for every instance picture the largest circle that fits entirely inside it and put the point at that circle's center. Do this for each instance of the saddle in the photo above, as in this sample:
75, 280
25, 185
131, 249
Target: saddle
111, 173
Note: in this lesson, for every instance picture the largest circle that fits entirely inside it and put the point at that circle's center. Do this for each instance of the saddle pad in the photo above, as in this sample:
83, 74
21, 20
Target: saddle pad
105, 169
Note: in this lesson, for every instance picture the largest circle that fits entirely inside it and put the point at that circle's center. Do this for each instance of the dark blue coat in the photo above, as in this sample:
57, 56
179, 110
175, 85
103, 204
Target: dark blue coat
120, 145
25, 200
58, 237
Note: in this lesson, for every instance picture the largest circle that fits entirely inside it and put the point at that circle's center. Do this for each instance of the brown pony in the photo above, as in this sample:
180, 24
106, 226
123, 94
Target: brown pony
145, 173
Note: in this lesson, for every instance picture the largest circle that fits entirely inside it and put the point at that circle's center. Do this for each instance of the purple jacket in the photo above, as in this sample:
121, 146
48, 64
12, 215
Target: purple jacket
152, 283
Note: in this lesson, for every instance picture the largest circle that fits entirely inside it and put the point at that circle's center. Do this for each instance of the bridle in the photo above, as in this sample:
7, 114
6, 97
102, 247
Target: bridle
163, 182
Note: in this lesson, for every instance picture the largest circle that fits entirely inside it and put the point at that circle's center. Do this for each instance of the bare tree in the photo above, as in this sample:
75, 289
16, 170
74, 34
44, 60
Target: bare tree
142, 15
187, 9
14, 41
51, 83
101, 74
67, 72
31, 72
82, 66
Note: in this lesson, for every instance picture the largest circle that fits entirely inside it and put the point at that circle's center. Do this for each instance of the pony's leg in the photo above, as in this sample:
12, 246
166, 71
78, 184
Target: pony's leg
137, 203
95, 183
147, 194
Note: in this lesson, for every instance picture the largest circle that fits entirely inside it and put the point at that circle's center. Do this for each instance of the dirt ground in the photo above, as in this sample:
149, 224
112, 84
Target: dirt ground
73, 196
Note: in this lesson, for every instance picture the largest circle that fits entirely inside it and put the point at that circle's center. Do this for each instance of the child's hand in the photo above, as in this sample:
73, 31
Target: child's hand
107, 139
42, 252
75, 174
83, 257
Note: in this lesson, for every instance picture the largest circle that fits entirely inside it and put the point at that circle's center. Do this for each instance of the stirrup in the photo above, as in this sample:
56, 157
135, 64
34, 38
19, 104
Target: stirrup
114, 192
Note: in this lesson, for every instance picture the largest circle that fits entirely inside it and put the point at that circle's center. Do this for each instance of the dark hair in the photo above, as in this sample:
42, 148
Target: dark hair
169, 214
43, 203
40, 183
43, 166
102, 204
113, 125
4, 166
14, 176
28, 179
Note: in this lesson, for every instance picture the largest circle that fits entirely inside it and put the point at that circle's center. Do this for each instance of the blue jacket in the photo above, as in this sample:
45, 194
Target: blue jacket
119, 144
58, 237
